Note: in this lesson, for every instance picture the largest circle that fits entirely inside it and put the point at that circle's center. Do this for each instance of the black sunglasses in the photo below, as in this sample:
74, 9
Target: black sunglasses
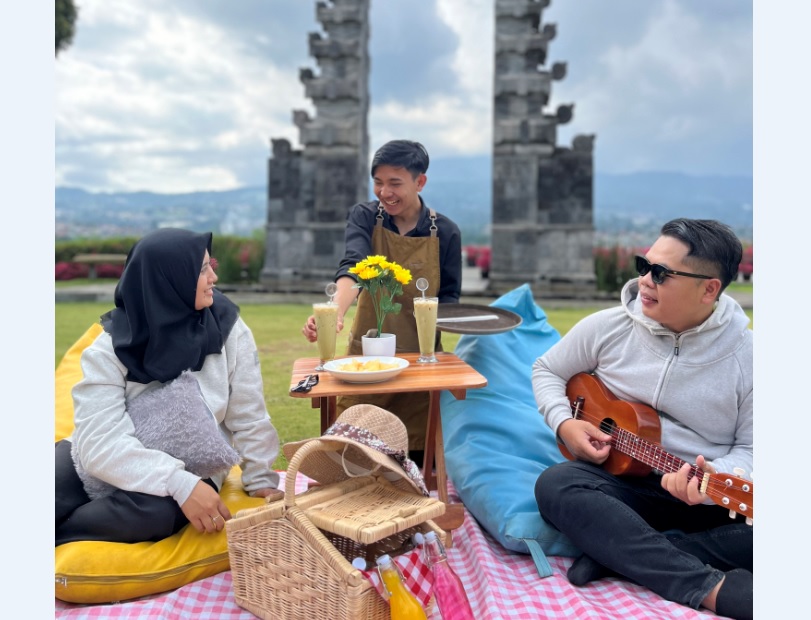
306, 384
660, 272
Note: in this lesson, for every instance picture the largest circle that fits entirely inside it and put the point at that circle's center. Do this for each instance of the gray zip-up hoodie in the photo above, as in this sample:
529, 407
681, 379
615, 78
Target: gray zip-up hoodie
700, 381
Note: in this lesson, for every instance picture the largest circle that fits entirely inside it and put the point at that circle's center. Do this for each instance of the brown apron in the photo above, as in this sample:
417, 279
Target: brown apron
420, 255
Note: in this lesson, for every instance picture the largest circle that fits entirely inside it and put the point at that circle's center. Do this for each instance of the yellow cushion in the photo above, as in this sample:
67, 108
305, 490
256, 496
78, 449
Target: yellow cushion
68, 374
105, 572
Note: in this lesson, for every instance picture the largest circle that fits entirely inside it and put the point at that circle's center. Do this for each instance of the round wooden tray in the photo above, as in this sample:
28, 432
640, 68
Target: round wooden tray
475, 319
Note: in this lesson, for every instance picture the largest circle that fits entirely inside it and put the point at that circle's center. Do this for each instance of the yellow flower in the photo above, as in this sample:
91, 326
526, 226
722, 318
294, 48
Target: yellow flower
402, 275
377, 260
368, 273
383, 280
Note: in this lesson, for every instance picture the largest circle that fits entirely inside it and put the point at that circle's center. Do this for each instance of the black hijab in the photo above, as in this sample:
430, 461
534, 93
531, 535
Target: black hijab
156, 332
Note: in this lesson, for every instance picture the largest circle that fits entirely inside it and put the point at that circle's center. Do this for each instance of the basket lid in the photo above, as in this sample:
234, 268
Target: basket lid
372, 512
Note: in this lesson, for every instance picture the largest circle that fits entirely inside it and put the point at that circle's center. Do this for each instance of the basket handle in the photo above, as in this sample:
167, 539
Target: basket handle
312, 446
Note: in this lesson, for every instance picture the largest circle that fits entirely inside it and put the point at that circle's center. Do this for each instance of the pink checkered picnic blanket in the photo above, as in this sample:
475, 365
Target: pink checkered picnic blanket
501, 585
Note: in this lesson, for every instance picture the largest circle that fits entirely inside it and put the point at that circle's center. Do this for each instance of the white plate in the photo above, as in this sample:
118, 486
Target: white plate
366, 376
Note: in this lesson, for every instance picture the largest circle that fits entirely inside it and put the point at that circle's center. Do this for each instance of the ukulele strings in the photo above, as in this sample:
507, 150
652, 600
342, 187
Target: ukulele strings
655, 456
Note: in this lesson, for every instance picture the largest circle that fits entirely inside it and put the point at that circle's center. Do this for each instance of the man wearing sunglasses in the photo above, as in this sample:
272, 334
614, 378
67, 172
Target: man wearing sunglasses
679, 345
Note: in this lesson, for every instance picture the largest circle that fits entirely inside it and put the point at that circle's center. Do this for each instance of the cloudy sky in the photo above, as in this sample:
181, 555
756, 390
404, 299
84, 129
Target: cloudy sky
185, 95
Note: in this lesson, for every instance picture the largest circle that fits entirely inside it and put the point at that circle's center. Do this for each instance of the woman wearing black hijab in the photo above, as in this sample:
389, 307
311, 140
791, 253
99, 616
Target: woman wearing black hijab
127, 473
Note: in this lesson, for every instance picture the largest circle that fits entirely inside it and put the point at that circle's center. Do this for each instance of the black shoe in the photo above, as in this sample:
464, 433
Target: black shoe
735, 599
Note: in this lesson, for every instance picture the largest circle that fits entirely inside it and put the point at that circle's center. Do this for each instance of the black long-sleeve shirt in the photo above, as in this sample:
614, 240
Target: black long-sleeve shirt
360, 222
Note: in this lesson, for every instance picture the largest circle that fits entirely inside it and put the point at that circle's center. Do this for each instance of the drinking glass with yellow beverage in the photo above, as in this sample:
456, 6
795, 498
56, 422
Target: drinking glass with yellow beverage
425, 312
326, 326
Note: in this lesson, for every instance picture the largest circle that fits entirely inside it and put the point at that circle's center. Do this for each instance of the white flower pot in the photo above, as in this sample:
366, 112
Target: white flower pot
384, 346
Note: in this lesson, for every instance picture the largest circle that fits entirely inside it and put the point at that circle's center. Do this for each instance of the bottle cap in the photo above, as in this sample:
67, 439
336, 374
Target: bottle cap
383, 559
430, 536
359, 563
419, 538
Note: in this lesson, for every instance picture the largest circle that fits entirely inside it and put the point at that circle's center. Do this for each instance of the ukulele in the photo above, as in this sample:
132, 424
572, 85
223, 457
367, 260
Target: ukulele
635, 450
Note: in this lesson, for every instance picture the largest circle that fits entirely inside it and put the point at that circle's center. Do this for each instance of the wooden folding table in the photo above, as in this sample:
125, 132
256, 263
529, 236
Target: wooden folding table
448, 373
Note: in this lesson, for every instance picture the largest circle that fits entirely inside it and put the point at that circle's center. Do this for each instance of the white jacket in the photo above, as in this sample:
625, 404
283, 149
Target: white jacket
231, 385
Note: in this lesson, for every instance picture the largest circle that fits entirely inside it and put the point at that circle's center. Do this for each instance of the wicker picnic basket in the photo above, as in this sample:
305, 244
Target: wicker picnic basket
291, 559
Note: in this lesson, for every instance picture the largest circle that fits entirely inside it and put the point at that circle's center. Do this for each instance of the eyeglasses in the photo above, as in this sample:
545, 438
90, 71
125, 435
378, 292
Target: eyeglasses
306, 384
660, 272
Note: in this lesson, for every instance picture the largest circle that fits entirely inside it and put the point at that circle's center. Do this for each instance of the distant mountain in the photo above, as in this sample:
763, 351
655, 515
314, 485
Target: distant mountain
462, 189
87, 214
627, 207
643, 201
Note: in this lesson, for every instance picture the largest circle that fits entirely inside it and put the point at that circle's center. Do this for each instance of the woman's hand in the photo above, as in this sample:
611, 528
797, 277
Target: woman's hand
585, 441
680, 486
205, 510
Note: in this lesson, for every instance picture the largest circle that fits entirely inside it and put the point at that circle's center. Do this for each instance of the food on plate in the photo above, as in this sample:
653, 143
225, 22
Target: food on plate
366, 366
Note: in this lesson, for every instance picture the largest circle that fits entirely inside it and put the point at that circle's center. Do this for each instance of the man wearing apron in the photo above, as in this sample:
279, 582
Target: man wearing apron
401, 227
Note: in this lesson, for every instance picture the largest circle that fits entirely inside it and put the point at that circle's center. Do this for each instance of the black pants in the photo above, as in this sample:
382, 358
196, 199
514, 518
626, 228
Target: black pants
626, 524
122, 516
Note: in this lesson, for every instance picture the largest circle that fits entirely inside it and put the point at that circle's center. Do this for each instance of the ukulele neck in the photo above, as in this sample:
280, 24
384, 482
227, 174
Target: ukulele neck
649, 453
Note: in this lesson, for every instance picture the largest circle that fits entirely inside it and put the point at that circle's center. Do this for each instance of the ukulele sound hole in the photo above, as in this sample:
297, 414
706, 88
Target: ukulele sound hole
608, 425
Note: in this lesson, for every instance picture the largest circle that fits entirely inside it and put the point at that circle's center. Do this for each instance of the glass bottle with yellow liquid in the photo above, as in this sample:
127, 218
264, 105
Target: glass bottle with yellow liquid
404, 605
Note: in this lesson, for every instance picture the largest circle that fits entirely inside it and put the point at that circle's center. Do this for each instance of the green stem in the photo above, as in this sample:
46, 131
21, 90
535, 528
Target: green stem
380, 317
378, 313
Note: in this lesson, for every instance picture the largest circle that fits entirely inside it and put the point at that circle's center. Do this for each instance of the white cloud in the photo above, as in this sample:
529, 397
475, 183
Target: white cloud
472, 20
661, 99
165, 107
184, 95
447, 126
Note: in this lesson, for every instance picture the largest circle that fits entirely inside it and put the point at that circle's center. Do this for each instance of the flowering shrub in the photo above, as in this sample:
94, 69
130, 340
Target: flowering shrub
66, 270
384, 281
65, 250
239, 259
614, 267
69, 271
109, 271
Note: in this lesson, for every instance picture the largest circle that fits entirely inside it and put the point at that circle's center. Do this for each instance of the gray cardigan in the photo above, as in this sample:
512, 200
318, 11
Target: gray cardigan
700, 381
231, 385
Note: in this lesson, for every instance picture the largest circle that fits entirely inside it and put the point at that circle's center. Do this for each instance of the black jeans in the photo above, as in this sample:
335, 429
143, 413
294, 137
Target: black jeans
122, 516
621, 523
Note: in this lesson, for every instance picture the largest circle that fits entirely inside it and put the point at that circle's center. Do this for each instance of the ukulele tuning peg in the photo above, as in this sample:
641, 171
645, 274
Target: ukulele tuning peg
732, 514
738, 471
748, 520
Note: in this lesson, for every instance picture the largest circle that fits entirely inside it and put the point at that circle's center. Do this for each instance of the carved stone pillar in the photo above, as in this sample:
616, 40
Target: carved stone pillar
311, 189
543, 224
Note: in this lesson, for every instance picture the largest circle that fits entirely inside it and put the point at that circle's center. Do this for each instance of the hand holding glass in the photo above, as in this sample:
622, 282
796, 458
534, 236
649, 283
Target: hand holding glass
425, 313
326, 326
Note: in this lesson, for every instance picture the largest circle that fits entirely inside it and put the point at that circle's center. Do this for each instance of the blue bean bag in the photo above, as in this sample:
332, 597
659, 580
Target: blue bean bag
496, 441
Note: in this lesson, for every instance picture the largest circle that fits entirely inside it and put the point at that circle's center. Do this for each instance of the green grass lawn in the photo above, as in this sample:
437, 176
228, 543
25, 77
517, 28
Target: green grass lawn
277, 331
